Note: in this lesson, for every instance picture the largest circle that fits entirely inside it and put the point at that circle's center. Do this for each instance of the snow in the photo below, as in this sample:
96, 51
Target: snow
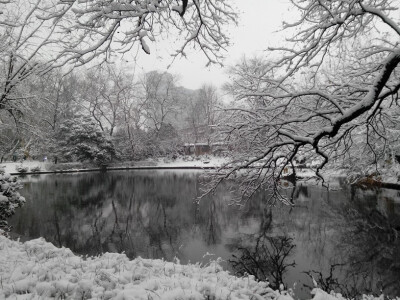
145, 47
178, 9
187, 161
11, 167
190, 161
389, 175
38, 270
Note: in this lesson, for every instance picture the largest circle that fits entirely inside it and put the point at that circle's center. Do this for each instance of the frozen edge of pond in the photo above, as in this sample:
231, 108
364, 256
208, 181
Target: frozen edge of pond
37, 269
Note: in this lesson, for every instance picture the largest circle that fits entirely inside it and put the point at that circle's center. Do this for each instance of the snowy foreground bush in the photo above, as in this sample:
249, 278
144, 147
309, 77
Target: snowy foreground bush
39, 270
10, 199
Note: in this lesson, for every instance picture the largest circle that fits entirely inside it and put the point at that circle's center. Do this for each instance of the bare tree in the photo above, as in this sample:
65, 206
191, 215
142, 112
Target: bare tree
193, 118
109, 90
332, 89
132, 123
28, 31
209, 104
160, 98
113, 99
201, 109
53, 97
208, 96
58, 97
10, 140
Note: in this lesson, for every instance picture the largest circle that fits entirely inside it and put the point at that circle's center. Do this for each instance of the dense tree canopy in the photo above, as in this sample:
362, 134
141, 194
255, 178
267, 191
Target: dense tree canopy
81, 139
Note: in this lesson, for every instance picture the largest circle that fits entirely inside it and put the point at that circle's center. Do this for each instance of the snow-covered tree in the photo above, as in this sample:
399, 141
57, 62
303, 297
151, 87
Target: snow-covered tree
81, 139
29, 39
53, 98
38, 36
328, 91
10, 140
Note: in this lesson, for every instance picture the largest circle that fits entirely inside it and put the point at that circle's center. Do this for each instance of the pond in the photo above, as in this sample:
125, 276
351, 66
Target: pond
346, 239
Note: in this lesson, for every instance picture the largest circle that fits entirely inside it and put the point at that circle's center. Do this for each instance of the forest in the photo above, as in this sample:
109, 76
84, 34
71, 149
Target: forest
104, 114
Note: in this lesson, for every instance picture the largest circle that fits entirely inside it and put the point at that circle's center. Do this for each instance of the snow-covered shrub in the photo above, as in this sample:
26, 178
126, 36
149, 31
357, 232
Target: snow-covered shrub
35, 169
81, 139
21, 169
37, 269
68, 166
10, 199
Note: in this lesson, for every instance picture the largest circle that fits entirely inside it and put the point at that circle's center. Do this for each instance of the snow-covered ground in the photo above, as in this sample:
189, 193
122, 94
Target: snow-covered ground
189, 161
204, 161
11, 167
39, 270
391, 175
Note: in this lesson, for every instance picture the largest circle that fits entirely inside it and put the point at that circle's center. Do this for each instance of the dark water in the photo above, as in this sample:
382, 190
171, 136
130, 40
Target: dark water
347, 239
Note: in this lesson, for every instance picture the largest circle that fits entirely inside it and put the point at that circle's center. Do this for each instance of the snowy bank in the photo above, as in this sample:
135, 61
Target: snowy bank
390, 177
34, 166
11, 167
38, 270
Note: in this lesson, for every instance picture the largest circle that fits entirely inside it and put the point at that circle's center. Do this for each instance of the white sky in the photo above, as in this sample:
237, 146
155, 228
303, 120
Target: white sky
258, 25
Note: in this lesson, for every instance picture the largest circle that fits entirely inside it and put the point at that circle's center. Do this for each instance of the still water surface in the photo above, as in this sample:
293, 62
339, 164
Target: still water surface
346, 239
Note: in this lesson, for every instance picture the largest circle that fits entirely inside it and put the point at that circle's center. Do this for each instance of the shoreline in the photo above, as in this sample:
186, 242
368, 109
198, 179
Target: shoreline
115, 169
207, 164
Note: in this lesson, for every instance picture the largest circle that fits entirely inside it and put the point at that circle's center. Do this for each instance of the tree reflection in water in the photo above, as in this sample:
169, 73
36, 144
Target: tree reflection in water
348, 237
369, 247
265, 254
331, 282
351, 236
266, 260
372, 241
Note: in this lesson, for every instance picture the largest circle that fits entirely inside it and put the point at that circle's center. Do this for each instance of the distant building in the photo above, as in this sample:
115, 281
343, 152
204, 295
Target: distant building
204, 148
196, 149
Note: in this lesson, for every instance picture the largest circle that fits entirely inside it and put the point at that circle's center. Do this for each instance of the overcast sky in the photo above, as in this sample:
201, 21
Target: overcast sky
258, 25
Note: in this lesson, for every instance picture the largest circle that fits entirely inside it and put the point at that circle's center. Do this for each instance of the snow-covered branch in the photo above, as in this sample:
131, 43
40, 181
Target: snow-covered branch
108, 26
324, 100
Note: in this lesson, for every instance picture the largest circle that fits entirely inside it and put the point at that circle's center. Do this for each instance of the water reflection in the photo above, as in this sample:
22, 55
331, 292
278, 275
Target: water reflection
346, 240
371, 240
266, 259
